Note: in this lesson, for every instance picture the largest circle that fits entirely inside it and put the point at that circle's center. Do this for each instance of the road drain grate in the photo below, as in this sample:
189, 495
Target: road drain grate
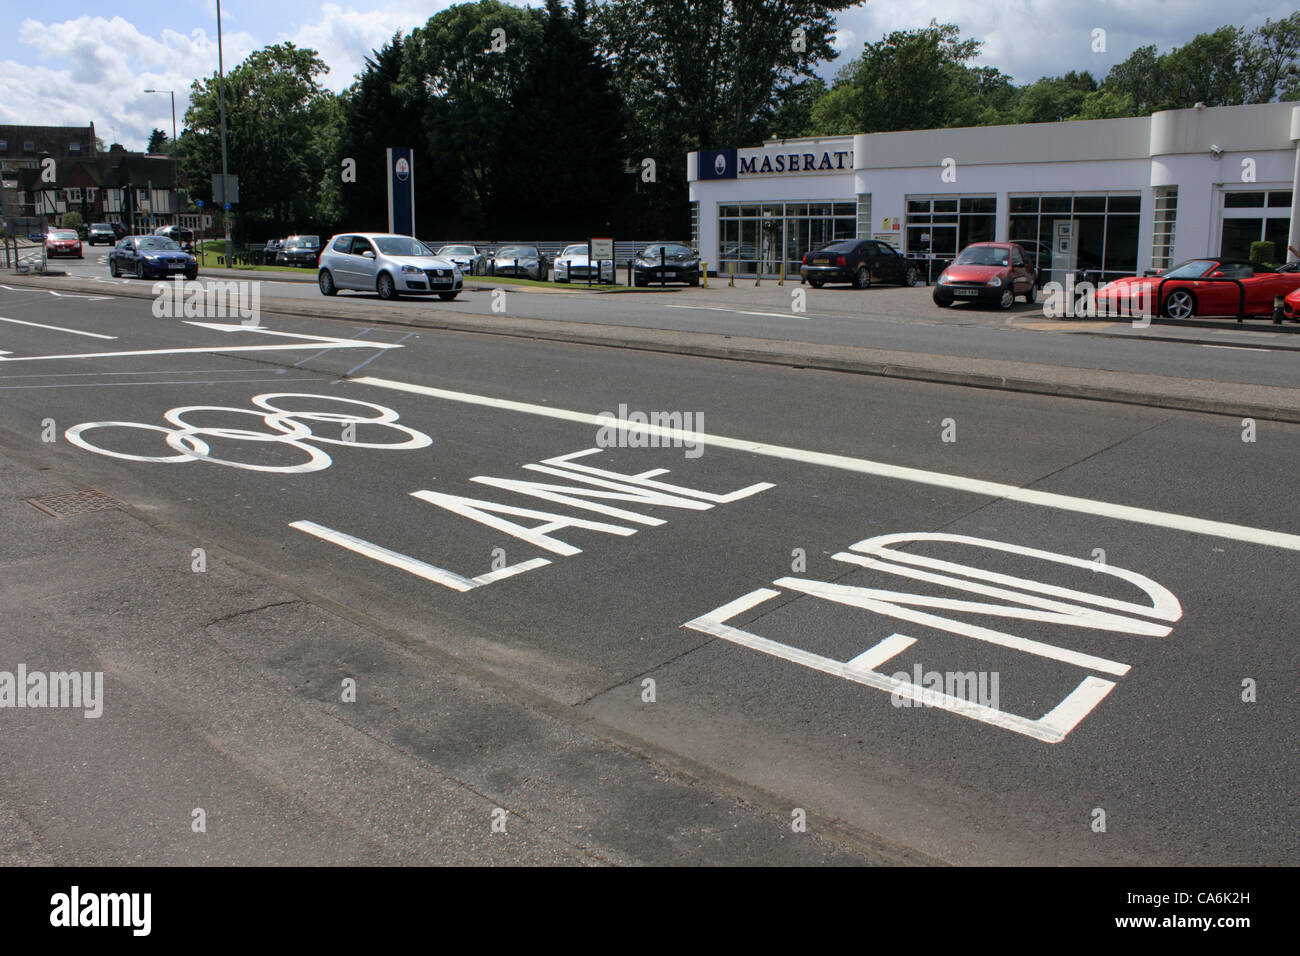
74, 503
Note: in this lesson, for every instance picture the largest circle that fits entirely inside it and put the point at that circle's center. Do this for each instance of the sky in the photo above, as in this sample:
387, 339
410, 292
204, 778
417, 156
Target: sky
87, 64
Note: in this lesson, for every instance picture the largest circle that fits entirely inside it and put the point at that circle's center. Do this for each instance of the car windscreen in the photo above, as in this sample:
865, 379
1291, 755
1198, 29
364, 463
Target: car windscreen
101, 228
308, 243
63, 234
157, 242
1192, 269
456, 251
577, 249
983, 256
402, 246
518, 252
840, 247
652, 252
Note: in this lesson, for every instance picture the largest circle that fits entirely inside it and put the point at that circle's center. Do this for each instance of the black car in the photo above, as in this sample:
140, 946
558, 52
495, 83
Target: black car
102, 232
146, 257
666, 262
299, 251
859, 262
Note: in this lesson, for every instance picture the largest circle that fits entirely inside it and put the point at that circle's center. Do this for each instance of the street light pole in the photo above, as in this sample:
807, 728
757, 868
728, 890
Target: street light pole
221, 93
176, 178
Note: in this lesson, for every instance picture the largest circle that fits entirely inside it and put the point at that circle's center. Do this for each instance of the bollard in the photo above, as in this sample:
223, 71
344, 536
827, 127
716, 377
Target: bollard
1277, 310
630, 282
731, 272
704, 274
781, 280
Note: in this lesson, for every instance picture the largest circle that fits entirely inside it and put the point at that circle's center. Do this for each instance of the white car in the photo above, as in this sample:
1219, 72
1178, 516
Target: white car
572, 265
467, 258
387, 264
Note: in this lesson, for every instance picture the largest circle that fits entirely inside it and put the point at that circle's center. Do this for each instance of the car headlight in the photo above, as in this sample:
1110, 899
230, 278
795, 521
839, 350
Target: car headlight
413, 270
995, 281
945, 279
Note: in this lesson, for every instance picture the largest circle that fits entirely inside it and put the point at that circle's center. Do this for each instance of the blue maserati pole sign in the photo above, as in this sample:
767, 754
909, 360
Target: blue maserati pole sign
401, 190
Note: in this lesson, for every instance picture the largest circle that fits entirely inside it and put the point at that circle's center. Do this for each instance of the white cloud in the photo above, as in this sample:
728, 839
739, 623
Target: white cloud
97, 69
843, 40
344, 38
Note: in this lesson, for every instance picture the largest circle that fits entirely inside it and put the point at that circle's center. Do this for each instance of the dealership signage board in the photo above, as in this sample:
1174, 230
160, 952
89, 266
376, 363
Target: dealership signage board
401, 190
779, 160
601, 249
228, 194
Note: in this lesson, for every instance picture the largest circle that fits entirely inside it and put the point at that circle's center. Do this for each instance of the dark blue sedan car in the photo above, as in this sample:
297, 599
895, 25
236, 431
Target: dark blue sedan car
147, 257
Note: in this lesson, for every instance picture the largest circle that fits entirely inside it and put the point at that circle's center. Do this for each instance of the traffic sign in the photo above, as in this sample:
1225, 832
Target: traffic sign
226, 207
199, 203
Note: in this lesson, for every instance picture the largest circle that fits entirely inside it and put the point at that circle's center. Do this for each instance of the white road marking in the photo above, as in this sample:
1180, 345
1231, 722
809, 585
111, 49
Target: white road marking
309, 341
889, 648
1051, 728
57, 328
420, 569
714, 308
978, 486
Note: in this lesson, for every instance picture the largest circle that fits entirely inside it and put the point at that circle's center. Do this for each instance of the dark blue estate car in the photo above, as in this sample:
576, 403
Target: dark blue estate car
147, 257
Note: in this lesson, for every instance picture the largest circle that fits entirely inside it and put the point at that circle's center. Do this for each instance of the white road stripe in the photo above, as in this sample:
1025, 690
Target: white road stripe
714, 308
57, 328
991, 489
887, 649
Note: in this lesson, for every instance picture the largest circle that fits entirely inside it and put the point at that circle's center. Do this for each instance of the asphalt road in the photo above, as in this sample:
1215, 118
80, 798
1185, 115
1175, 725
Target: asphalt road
713, 603
883, 317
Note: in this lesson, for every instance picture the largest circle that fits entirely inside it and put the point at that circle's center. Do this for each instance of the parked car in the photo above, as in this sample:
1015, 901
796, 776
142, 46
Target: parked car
572, 265
273, 245
102, 232
151, 256
63, 242
183, 236
859, 262
1209, 286
523, 261
468, 259
989, 272
387, 264
668, 262
1291, 306
300, 251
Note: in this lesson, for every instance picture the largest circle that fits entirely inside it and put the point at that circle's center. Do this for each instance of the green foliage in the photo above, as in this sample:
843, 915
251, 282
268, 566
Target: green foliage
1263, 253
157, 141
73, 220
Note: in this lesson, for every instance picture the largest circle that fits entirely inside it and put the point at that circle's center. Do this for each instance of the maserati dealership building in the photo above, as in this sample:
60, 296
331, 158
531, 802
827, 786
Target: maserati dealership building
1114, 196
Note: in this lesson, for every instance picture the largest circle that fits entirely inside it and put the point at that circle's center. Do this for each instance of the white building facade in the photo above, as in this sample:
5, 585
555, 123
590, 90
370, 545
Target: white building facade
1114, 197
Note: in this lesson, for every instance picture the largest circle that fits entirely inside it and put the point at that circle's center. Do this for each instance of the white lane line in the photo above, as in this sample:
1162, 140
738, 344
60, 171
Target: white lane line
57, 328
213, 349
187, 381
714, 308
411, 565
887, 649
978, 486
1242, 348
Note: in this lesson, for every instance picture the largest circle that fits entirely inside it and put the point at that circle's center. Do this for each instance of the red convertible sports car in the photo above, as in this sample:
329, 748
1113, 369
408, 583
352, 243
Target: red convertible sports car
1201, 287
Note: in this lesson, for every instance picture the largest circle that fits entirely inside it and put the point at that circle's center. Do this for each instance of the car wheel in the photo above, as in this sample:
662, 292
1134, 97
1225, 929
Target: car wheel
139, 270
862, 278
326, 283
112, 268
1180, 304
1032, 295
816, 283
910, 278
447, 296
695, 281
1007, 299
386, 287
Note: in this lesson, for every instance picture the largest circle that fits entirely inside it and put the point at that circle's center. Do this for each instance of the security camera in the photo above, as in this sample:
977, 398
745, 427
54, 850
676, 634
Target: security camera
1216, 151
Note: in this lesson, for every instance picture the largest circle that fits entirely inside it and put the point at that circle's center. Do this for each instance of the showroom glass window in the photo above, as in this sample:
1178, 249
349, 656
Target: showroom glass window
941, 226
1086, 232
1254, 215
757, 237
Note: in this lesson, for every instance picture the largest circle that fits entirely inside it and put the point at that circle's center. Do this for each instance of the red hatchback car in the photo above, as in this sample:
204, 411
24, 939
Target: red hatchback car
1203, 287
63, 242
990, 272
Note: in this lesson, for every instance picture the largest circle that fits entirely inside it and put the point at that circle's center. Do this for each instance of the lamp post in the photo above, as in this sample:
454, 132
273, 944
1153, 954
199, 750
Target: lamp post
221, 93
176, 178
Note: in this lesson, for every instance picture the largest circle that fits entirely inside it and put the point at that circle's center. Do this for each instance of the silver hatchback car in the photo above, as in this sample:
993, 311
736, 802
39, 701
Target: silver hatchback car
388, 264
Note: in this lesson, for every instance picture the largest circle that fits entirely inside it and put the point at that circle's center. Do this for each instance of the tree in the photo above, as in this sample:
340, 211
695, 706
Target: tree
705, 74
1053, 99
275, 109
910, 79
568, 114
157, 142
1271, 62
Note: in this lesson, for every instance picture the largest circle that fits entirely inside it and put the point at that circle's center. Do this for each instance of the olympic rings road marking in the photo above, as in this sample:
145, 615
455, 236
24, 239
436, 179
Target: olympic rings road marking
289, 426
